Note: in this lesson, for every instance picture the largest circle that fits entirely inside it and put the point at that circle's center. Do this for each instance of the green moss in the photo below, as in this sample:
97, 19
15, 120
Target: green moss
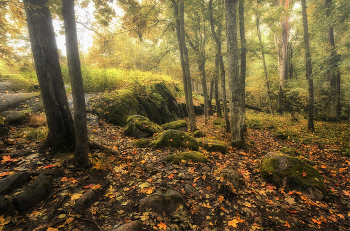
175, 139
213, 145
1, 121
196, 157
178, 124
279, 167
142, 143
139, 126
219, 121
199, 133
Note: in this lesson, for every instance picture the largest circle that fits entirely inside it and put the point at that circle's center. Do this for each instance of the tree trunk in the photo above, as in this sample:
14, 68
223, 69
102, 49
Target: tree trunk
185, 64
281, 43
42, 37
211, 93
217, 38
81, 158
310, 119
237, 110
263, 56
243, 62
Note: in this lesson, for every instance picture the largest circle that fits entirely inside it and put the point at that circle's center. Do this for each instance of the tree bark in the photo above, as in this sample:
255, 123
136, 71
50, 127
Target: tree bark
211, 93
185, 64
264, 62
217, 100
243, 62
81, 158
43, 42
310, 119
237, 111
217, 39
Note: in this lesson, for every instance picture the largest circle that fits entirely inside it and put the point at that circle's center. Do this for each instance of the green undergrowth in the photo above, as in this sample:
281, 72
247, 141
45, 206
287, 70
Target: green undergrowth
26, 81
294, 129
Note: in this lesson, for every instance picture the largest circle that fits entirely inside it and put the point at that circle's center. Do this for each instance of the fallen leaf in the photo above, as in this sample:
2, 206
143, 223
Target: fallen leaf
62, 216
161, 225
76, 196
234, 222
304, 174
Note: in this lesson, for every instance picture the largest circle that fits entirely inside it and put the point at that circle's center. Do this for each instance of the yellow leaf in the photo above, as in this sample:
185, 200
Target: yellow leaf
64, 179
161, 225
95, 187
62, 216
76, 196
234, 222
51, 229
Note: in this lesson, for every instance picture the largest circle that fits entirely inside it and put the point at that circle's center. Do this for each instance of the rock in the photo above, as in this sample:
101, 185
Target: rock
6, 207
162, 202
131, 226
15, 117
4, 131
175, 139
84, 201
199, 133
142, 143
181, 125
219, 121
213, 145
13, 181
34, 194
140, 127
232, 176
2, 123
190, 189
283, 170
196, 157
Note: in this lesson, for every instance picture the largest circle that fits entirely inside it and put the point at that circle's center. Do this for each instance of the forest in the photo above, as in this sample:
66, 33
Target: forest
207, 115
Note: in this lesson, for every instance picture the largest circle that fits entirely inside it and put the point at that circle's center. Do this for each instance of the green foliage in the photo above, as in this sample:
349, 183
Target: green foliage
37, 134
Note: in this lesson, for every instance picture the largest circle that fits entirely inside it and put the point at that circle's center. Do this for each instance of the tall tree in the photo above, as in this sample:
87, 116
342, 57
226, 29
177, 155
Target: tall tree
237, 102
81, 158
333, 74
179, 13
217, 39
43, 42
310, 115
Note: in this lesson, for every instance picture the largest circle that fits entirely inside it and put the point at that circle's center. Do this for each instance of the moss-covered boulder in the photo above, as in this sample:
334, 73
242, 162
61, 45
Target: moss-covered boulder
283, 170
15, 117
175, 139
142, 143
230, 181
199, 134
195, 157
140, 127
213, 145
176, 125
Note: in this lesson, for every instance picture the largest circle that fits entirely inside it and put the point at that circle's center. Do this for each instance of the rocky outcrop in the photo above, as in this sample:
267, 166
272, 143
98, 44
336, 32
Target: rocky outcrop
140, 127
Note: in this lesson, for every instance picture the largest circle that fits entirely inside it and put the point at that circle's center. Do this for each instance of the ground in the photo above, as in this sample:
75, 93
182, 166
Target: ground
122, 174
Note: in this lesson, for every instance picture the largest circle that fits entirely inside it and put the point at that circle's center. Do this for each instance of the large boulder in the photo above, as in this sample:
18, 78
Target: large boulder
175, 139
15, 117
176, 125
213, 145
282, 170
161, 203
195, 157
140, 127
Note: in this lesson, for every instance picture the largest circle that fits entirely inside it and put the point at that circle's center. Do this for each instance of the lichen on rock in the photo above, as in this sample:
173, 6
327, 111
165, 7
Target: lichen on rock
176, 125
213, 145
140, 127
283, 170
175, 139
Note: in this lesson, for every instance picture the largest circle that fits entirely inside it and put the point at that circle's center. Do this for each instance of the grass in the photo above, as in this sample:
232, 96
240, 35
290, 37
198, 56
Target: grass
285, 127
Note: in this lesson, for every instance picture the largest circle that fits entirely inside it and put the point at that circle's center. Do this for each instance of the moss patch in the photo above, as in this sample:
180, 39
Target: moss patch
140, 127
196, 157
175, 139
293, 173
199, 133
142, 143
213, 145
177, 125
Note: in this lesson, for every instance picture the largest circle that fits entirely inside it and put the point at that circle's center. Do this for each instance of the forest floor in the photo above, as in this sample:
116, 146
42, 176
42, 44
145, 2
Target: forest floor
121, 179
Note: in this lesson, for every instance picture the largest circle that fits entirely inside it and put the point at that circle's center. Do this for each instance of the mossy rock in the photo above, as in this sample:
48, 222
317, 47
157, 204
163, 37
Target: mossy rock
219, 121
176, 125
175, 139
283, 170
140, 127
15, 117
231, 180
199, 134
142, 143
213, 145
1, 121
196, 157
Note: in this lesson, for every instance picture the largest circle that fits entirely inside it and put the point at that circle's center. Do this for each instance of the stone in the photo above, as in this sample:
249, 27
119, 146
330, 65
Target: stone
142, 143
6, 207
140, 127
15, 117
13, 181
176, 125
175, 139
131, 226
198, 134
195, 157
232, 176
4, 131
34, 194
213, 145
162, 202
282, 170
84, 201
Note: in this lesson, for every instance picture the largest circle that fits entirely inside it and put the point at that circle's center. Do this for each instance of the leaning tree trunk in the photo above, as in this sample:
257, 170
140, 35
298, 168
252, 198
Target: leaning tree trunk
81, 158
217, 40
45, 53
237, 111
310, 115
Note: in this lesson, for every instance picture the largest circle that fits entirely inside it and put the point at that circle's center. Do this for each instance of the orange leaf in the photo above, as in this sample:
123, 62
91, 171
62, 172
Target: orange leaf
64, 179
6, 158
221, 198
292, 211
304, 174
171, 176
316, 221
287, 224
4, 174
192, 170
161, 225
49, 166
95, 187
88, 186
